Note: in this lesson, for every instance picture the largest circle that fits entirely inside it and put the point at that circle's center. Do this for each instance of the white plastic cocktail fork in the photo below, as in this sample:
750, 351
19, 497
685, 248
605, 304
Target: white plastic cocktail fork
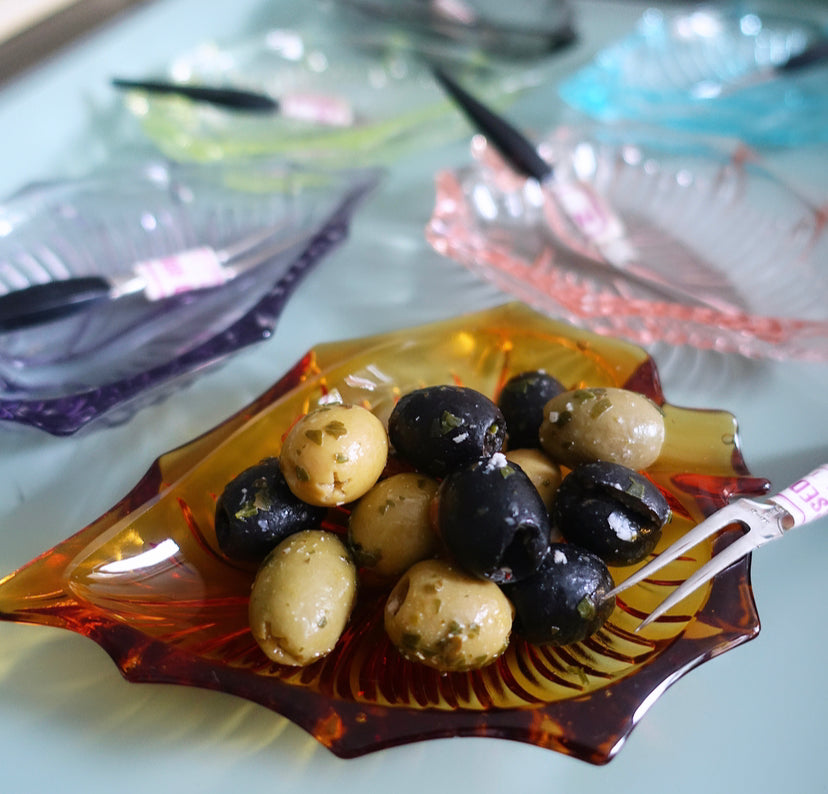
804, 501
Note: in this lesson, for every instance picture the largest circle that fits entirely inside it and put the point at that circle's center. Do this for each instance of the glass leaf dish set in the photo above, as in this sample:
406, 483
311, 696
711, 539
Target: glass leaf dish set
258, 210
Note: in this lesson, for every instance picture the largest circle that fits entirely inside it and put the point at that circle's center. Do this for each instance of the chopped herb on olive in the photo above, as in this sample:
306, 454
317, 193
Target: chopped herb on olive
561, 418
449, 422
602, 405
314, 435
336, 428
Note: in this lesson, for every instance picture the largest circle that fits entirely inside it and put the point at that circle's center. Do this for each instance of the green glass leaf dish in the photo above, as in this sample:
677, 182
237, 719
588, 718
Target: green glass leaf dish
147, 582
343, 99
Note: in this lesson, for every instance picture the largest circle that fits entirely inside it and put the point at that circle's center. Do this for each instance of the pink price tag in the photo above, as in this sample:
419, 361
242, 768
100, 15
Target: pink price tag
197, 268
321, 109
587, 211
807, 499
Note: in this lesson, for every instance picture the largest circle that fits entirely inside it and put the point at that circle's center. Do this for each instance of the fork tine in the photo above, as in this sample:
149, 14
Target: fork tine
710, 526
723, 559
804, 501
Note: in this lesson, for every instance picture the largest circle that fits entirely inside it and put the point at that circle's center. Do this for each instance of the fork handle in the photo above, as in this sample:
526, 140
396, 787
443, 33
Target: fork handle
805, 500
43, 303
234, 98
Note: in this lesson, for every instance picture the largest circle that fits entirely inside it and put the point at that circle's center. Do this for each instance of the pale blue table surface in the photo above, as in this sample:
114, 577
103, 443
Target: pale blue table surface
752, 719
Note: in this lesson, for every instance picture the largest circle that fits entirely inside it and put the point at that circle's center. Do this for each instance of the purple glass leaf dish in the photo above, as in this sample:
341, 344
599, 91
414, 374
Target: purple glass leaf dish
102, 364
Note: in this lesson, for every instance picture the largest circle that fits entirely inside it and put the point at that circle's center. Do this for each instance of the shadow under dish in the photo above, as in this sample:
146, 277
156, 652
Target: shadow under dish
147, 582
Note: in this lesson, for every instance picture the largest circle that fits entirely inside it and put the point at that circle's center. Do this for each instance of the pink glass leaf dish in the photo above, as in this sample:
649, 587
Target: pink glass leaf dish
743, 248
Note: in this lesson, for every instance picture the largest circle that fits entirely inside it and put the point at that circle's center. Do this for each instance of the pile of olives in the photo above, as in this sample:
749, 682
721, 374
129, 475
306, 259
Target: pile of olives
496, 518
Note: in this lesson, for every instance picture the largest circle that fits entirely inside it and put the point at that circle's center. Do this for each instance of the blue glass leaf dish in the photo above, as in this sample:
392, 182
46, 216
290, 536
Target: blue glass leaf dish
716, 71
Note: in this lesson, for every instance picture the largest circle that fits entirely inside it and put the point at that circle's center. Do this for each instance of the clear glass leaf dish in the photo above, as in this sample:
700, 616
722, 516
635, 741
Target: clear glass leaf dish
521, 30
109, 360
147, 582
741, 253
347, 97
711, 71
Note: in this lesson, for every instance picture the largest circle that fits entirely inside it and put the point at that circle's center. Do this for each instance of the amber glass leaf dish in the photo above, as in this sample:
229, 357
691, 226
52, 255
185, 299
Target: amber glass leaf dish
147, 582
732, 258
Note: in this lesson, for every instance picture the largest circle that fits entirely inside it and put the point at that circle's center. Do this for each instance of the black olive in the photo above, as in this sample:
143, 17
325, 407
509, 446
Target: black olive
521, 400
441, 428
257, 510
492, 520
565, 601
613, 511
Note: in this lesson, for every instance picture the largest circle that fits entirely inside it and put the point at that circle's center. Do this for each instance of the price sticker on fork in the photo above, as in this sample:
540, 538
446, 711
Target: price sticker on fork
586, 210
197, 268
806, 499
592, 215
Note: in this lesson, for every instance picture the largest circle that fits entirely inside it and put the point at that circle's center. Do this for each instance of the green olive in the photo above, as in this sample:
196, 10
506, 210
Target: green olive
390, 528
334, 454
602, 424
302, 597
544, 473
446, 619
